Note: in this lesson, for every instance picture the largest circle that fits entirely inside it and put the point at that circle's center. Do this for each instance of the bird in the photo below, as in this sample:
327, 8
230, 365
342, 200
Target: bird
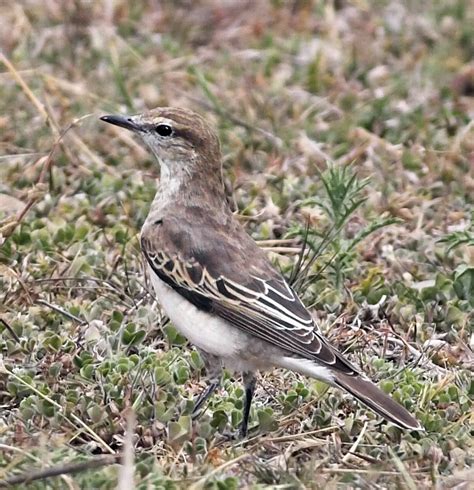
214, 282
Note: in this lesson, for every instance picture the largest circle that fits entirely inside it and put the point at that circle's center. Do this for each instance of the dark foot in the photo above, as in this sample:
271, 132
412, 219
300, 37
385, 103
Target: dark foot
229, 436
214, 372
250, 382
203, 397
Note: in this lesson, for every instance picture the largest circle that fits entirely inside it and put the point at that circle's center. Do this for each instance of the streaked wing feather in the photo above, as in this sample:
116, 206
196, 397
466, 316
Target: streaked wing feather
268, 309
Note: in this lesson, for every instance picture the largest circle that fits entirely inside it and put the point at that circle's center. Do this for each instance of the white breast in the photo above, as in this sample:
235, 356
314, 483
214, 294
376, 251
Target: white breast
208, 332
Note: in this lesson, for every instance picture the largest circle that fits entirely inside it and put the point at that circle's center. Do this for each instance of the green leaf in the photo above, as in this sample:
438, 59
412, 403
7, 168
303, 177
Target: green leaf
162, 376
196, 361
179, 432
464, 283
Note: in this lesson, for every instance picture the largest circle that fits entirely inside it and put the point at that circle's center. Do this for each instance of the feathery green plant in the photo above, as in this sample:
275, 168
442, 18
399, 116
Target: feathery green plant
343, 196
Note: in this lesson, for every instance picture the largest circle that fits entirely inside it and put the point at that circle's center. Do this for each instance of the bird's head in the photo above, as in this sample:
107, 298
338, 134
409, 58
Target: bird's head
182, 140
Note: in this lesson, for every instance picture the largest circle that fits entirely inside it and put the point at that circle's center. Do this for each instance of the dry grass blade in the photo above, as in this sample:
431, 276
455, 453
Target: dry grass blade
355, 445
10, 329
24, 86
59, 470
125, 478
405, 474
202, 482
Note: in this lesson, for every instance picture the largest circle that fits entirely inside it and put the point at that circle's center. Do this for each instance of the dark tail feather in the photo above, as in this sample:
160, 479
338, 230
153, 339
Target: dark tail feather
366, 392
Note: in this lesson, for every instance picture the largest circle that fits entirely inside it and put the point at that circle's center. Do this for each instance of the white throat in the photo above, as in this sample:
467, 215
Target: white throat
169, 184
169, 188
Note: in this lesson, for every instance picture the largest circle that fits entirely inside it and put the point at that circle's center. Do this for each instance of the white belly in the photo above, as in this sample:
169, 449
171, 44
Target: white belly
238, 351
208, 332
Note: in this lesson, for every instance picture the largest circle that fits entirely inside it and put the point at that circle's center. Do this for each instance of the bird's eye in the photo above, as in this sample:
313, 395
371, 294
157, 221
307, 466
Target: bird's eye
164, 130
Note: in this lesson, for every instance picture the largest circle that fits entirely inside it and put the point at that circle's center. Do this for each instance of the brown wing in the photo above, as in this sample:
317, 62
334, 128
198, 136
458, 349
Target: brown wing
235, 280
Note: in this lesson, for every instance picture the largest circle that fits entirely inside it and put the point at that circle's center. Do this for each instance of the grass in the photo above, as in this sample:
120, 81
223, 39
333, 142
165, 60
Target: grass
347, 128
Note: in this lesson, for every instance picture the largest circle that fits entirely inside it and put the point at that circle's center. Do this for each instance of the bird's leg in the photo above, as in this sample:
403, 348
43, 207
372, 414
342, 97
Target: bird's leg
214, 375
250, 382
204, 396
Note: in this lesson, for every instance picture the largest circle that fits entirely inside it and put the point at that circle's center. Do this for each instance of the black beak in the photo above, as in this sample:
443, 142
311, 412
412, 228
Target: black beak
122, 121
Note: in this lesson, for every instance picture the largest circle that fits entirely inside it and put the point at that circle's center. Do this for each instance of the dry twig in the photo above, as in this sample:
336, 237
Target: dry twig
68, 468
